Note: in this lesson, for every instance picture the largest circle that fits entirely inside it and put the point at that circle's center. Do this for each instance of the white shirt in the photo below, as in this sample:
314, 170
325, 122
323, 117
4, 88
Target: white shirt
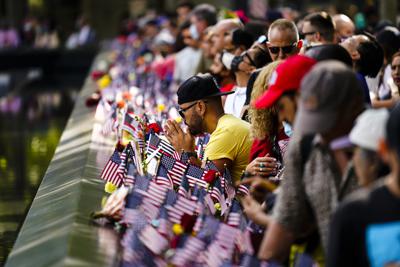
186, 62
234, 102
386, 88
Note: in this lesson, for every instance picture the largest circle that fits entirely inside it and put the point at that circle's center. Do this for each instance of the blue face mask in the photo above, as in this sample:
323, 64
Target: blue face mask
287, 128
193, 32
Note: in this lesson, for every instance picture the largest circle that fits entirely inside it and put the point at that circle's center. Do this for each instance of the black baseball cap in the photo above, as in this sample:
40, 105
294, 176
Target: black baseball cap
393, 129
199, 87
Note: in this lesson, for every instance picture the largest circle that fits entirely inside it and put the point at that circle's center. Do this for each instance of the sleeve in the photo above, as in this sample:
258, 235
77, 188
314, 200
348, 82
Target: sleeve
292, 209
220, 146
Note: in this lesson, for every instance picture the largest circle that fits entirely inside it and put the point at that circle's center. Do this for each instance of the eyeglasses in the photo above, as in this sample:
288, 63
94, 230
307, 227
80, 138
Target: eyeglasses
285, 49
308, 33
182, 111
252, 63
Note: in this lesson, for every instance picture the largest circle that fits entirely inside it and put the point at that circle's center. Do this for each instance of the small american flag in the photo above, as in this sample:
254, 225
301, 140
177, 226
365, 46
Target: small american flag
110, 171
218, 194
175, 168
155, 194
243, 189
164, 147
162, 178
130, 125
149, 209
164, 226
228, 185
181, 206
189, 252
130, 175
170, 198
122, 167
132, 216
184, 188
222, 247
195, 176
243, 242
111, 122
153, 240
235, 214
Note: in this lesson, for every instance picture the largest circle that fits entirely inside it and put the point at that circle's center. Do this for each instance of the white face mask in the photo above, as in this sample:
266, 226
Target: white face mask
193, 32
287, 128
227, 59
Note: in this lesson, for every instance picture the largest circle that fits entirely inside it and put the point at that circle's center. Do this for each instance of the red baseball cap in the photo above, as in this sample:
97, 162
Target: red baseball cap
286, 77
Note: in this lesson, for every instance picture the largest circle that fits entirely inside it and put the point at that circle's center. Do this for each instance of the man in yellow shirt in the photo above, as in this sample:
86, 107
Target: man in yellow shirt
200, 106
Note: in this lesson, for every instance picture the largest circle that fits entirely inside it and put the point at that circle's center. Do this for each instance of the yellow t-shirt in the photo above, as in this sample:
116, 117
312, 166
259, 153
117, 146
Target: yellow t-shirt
231, 140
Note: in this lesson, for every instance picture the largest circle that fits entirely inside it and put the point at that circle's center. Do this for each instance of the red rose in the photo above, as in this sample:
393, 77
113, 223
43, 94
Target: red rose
155, 127
210, 176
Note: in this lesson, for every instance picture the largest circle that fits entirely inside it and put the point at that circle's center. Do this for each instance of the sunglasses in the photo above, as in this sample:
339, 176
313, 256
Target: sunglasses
285, 49
182, 111
251, 61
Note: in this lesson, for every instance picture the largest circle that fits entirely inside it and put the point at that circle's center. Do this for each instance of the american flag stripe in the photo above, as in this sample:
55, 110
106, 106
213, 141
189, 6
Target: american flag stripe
131, 215
154, 194
243, 190
129, 180
109, 170
117, 181
243, 242
122, 167
186, 206
209, 203
164, 227
234, 219
150, 210
216, 194
194, 181
164, 181
153, 240
181, 206
200, 207
183, 192
189, 252
176, 155
199, 224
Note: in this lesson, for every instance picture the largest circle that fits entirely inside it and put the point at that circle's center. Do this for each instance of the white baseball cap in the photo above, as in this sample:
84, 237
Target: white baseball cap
370, 128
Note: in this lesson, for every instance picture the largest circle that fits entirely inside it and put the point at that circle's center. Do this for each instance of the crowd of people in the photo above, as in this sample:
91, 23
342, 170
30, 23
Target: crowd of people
43, 34
303, 111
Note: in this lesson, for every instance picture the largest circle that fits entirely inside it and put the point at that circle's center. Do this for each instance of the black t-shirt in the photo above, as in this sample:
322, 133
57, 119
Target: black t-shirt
365, 230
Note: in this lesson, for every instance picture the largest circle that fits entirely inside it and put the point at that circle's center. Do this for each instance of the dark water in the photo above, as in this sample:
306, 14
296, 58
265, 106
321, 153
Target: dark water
31, 123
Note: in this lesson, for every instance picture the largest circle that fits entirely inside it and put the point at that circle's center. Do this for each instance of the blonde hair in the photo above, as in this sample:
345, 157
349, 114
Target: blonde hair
262, 119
